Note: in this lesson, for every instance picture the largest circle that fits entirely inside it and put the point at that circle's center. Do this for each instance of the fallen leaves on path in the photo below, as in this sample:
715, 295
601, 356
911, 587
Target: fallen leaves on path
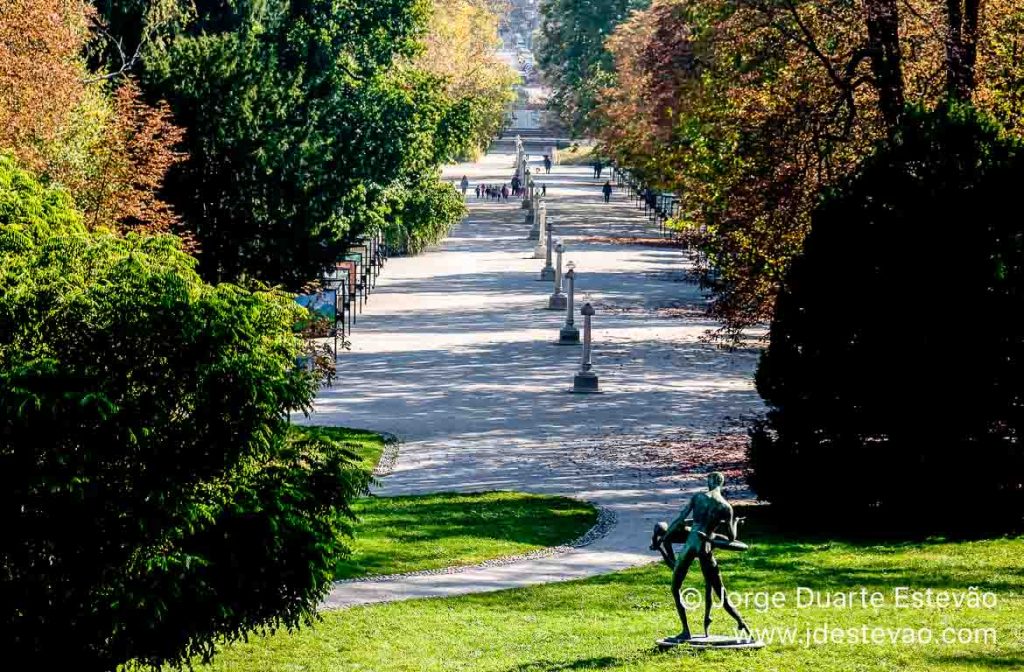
671, 454
646, 241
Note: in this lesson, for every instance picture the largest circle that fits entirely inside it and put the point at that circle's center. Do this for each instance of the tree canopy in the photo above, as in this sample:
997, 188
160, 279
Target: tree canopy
573, 56
748, 110
311, 124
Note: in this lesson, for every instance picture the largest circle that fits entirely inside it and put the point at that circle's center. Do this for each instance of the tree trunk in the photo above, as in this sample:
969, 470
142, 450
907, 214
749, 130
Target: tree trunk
882, 17
961, 47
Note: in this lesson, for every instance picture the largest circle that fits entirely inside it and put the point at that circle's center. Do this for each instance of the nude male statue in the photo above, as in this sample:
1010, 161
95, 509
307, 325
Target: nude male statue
709, 510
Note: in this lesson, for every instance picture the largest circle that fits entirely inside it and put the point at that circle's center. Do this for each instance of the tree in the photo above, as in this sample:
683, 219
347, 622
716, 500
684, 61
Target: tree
92, 135
460, 48
571, 54
877, 402
154, 501
309, 123
779, 100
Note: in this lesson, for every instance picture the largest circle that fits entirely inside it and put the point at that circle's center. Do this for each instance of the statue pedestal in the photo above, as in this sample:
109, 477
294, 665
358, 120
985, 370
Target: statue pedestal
558, 302
711, 642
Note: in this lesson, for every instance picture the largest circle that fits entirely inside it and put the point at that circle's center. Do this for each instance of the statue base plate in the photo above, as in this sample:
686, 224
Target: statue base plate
547, 274
558, 302
711, 642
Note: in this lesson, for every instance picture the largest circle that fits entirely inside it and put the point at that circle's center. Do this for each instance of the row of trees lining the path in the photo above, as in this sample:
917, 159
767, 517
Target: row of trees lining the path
848, 169
170, 172
748, 109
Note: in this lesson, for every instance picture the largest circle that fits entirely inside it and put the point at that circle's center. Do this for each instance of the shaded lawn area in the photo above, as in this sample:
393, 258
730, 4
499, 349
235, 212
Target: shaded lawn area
368, 446
405, 534
611, 622
395, 535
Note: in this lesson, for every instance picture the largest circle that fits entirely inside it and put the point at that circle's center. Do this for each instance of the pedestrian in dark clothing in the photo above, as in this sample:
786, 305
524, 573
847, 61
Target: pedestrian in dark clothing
547, 164
607, 191
543, 190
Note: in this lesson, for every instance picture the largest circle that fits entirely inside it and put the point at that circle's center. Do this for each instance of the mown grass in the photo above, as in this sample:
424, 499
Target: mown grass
407, 534
394, 535
611, 622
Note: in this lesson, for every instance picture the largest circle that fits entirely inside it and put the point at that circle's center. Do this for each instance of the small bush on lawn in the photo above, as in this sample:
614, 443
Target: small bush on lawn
152, 499
894, 376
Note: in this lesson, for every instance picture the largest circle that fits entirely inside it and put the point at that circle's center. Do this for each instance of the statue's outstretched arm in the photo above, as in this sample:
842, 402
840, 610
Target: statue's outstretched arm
733, 523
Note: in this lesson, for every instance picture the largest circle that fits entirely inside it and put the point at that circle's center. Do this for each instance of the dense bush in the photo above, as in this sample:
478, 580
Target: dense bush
894, 375
424, 215
152, 500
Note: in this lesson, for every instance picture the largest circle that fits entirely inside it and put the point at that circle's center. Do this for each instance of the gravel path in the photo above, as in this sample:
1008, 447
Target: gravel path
455, 356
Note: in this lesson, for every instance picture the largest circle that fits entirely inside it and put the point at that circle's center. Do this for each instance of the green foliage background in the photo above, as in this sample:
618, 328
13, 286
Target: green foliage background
572, 55
308, 127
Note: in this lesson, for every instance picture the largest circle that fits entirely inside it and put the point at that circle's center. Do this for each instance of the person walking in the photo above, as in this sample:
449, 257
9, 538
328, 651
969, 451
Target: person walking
504, 191
465, 186
547, 164
478, 192
607, 191
543, 190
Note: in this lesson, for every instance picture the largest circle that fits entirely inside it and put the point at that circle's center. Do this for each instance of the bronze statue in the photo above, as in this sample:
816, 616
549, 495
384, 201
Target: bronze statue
699, 539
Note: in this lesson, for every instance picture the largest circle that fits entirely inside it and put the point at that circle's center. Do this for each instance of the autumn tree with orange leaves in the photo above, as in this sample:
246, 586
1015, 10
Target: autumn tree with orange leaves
88, 133
749, 110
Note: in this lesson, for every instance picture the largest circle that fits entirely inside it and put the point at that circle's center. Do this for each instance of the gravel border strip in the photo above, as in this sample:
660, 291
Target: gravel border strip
388, 456
605, 522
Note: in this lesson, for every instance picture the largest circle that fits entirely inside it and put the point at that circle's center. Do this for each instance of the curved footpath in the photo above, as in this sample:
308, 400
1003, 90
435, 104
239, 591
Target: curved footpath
454, 354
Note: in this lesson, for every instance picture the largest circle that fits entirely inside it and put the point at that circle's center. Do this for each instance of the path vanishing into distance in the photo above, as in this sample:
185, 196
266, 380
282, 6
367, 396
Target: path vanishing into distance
455, 355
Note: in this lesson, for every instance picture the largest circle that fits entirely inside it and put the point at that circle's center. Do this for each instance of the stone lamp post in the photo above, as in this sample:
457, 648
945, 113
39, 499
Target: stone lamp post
586, 381
569, 334
540, 250
547, 274
534, 216
558, 300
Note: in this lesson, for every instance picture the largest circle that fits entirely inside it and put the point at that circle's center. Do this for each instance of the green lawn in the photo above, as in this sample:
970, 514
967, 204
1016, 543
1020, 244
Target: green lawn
367, 445
405, 534
611, 622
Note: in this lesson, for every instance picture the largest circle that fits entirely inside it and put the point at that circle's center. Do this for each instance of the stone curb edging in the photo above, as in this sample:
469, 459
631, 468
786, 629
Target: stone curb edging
606, 520
388, 457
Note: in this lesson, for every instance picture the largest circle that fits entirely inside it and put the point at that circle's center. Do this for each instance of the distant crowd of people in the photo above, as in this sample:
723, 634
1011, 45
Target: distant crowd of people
494, 192
517, 189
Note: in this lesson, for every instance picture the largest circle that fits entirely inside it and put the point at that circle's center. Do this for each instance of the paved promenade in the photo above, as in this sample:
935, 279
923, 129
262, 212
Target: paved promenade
454, 354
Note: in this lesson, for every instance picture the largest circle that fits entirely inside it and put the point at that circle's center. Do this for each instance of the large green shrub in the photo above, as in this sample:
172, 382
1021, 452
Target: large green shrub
152, 500
894, 375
